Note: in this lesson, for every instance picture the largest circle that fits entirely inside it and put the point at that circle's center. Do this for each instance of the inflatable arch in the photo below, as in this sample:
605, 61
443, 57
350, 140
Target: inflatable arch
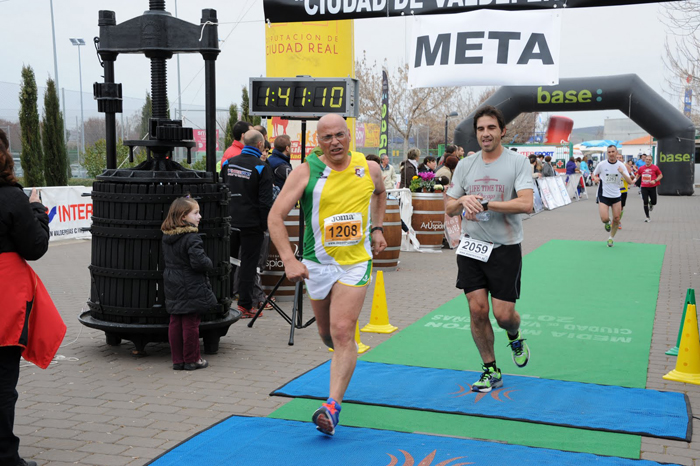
674, 132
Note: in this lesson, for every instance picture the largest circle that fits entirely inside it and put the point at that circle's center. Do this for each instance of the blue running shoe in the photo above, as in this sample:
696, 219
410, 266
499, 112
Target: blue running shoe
326, 417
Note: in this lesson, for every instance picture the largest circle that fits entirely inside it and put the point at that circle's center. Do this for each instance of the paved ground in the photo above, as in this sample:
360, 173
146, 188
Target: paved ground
99, 405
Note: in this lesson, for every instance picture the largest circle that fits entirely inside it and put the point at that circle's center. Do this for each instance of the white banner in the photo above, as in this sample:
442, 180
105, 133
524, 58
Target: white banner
69, 211
486, 47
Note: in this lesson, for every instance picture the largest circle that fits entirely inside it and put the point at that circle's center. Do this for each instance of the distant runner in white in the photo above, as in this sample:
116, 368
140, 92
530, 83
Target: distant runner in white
609, 174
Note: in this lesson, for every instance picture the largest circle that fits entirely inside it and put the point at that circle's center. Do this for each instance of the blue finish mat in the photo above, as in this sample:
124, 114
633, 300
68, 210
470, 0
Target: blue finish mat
255, 441
571, 404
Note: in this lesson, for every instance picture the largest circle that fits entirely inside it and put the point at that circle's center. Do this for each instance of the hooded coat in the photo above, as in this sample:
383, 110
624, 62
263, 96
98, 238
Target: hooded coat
186, 285
28, 317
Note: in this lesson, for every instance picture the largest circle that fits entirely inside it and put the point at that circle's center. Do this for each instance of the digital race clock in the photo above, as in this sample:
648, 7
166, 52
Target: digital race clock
304, 97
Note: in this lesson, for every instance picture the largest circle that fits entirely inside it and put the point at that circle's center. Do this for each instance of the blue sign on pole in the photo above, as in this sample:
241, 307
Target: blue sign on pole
687, 102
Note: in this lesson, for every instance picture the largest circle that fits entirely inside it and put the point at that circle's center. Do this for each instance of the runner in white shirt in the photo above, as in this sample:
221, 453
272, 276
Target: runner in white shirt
610, 174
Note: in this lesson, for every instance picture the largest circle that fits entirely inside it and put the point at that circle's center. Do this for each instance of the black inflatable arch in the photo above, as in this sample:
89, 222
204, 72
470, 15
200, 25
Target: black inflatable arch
674, 132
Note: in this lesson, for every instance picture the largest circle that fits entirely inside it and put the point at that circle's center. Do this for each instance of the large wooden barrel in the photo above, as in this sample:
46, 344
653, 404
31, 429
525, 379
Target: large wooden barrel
428, 220
274, 267
388, 260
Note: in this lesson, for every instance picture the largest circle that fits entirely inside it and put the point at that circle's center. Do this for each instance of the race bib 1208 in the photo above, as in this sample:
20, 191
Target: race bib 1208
342, 230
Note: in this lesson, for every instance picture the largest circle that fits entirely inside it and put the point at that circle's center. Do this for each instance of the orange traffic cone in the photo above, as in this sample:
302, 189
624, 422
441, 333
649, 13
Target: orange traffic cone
361, 347
688, 363
379, 319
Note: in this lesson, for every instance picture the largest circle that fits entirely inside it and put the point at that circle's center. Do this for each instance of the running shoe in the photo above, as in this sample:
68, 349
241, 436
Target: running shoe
521, 352
607, 226
619, 227
490, 379
647, 220
651, 207
247, 313
610, 242
326, 417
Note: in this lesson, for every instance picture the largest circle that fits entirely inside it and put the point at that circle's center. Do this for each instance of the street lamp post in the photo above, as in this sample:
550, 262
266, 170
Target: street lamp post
447, 117
78, 43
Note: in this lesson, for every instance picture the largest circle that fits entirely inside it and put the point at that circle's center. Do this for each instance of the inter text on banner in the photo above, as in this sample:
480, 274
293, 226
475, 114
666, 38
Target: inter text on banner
486, 48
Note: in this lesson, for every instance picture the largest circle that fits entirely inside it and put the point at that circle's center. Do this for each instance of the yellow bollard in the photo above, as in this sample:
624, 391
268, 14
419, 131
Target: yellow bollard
379, 319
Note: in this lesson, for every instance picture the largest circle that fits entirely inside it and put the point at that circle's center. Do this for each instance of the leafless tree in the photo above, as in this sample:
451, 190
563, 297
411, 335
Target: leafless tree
521, 129
408, 107
683, 49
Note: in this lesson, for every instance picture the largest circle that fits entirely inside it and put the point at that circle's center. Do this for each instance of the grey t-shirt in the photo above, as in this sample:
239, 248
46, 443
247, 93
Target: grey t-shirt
499, 180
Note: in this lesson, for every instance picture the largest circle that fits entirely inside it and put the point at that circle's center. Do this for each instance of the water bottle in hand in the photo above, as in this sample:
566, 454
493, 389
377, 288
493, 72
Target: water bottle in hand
485, 215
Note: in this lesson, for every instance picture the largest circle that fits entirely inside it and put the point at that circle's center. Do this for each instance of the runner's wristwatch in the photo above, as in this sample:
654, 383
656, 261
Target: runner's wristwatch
375, 229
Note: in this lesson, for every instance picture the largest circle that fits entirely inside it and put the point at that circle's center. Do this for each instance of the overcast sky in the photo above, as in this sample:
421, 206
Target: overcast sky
594, 42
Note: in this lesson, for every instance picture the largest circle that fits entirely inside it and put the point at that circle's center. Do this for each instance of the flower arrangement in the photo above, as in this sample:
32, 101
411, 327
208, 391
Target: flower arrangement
424, 181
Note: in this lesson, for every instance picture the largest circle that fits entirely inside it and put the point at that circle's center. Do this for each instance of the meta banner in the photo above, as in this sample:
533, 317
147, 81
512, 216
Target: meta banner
486, 47
290, 11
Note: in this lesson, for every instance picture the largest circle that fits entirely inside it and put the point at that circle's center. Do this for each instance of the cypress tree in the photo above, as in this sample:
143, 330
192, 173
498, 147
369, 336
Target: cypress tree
245, 108
146, 114
232, 120
55, 157
32, 156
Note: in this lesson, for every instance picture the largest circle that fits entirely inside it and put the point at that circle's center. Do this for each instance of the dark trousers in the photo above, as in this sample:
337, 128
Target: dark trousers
183, 333
245, 245
648, 197
9, 375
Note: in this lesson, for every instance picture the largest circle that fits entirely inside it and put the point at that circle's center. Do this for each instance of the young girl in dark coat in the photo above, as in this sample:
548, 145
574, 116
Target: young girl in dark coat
187, 289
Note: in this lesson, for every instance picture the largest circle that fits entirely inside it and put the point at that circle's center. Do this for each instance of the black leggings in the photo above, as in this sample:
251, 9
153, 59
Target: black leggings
9, 375
648, 196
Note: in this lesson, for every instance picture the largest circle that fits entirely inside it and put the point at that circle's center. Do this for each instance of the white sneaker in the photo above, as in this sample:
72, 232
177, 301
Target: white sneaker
647, 220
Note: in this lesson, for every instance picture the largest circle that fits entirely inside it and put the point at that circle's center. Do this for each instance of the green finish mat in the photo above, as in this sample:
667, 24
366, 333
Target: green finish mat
587, 314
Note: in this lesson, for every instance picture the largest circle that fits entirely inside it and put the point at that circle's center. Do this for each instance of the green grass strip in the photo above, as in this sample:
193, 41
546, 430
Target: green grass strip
587, 312
512, 432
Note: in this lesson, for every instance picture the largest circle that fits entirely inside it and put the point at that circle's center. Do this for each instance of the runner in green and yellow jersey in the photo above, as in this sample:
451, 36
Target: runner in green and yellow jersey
343, 200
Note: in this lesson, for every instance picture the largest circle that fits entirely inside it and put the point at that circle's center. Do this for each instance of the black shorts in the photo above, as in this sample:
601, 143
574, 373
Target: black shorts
609, 201
500, 276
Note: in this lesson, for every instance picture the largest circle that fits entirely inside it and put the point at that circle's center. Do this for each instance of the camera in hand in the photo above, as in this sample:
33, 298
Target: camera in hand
28, 192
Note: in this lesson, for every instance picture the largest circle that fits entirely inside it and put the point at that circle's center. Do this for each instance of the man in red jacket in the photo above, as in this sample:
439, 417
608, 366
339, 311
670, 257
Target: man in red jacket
239, 129
650, 175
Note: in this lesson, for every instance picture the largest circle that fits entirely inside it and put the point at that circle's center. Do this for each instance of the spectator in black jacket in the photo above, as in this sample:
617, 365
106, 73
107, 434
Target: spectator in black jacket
280, 162
188, 292
24, 235
250, 182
